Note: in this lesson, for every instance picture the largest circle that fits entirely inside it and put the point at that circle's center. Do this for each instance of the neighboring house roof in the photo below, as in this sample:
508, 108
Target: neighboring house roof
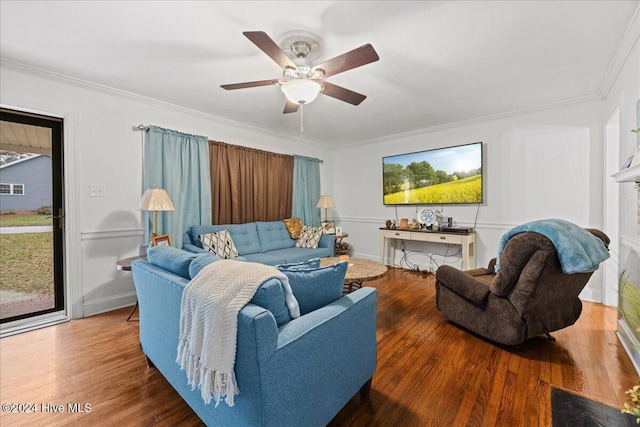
19, 161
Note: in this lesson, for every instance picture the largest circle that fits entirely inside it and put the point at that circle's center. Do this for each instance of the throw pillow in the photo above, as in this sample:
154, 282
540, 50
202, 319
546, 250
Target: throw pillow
200, 262
294, 226
220, 244
309, 237
270, 295
171, 259
317, 287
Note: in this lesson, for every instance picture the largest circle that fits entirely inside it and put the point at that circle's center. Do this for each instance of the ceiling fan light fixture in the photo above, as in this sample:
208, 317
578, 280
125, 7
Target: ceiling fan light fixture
301, 91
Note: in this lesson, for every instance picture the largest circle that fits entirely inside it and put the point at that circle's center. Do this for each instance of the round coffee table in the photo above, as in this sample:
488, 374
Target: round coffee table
359, 270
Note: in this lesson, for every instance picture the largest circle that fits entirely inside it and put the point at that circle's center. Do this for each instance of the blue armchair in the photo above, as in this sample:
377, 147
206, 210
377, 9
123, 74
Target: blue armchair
298, 374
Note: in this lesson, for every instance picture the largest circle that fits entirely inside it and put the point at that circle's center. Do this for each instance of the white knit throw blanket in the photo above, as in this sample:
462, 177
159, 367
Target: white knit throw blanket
209, 323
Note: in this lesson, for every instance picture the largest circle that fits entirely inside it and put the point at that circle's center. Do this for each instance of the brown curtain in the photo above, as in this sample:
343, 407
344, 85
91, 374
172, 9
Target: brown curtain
249, 185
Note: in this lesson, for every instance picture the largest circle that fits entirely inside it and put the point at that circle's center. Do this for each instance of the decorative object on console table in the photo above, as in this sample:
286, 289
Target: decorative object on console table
403, 223
156, 200
342, 248
426, 216
325, 202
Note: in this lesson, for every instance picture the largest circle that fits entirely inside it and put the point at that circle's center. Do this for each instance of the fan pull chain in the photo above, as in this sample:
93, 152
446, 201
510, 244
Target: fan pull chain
301, 121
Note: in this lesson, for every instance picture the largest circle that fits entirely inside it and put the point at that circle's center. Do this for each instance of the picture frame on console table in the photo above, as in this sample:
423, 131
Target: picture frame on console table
162, 239
328, 227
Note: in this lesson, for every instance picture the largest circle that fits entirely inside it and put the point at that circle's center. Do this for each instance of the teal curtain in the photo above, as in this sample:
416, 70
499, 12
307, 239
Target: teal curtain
306, 190
179, 163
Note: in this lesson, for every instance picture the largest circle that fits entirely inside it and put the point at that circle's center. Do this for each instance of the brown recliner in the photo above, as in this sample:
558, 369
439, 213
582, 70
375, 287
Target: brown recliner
530, 295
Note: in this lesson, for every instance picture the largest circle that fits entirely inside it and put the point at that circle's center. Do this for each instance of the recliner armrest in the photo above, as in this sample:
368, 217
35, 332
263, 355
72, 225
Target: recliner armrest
492, 266
462, 284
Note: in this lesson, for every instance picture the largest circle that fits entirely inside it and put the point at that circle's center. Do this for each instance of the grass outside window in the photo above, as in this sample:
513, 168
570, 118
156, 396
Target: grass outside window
26, 262
8, 220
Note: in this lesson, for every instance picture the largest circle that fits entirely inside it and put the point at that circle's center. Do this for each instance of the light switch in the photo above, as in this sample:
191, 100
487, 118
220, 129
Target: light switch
96, 191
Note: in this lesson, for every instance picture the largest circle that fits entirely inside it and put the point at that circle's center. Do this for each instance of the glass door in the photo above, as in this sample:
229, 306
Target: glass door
31, 217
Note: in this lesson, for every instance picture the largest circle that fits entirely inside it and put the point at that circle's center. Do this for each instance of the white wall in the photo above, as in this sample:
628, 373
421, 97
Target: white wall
106, 151
546, 164
623, 96
537, 165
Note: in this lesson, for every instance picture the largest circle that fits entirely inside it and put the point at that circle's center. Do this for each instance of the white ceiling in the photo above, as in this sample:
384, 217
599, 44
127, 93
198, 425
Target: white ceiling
441, 62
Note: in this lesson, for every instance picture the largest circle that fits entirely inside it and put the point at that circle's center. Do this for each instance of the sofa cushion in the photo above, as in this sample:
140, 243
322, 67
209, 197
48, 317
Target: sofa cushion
312, 263
294, 226
171, 259
270, 295
309, 237
293, 255
274, 235
220, 244
200, 262
268, 258
316, 287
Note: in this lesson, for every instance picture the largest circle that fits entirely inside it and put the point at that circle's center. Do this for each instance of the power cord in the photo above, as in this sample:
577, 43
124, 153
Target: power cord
476, 220
408, 264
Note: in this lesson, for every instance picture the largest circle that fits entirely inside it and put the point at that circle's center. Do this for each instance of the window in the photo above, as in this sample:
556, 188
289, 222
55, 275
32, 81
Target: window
12, 189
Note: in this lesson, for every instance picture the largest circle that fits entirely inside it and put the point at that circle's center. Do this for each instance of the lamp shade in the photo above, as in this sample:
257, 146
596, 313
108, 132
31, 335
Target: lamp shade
301, 91
156, 199
325, 202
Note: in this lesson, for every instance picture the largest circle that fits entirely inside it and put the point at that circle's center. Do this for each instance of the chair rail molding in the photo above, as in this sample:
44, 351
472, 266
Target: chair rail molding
111, 234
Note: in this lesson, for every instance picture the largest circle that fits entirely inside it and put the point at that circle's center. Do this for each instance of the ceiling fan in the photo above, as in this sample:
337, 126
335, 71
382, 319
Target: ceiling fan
301, 81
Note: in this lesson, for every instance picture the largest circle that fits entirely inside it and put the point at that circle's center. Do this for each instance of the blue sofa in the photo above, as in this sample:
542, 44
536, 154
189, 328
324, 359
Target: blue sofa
298, 372
265, 242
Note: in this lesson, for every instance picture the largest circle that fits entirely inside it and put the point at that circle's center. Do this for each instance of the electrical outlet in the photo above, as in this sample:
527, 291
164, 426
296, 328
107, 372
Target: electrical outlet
96, 191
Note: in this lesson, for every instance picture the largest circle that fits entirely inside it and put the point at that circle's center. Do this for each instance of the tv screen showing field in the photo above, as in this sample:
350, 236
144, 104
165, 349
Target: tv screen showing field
449, 175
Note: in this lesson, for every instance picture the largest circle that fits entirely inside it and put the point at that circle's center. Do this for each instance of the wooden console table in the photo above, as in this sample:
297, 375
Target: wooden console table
466, 240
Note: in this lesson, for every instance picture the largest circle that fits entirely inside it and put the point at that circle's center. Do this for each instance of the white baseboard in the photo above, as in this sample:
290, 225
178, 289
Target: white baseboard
591, 295
114, 302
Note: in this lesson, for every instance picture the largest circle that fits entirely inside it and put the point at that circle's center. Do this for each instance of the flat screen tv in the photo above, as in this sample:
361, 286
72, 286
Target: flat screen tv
450, 175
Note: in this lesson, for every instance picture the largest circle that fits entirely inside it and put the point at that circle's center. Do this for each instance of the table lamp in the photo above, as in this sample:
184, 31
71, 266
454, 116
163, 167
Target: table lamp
325, 202
156, 200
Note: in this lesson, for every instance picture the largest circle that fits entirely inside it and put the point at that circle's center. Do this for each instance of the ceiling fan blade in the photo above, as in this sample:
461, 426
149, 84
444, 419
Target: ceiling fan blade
346, 95
268, 46
290, 107
348, 61
249, 84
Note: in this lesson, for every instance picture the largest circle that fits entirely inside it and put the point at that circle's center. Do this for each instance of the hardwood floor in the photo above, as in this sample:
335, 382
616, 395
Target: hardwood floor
430, 372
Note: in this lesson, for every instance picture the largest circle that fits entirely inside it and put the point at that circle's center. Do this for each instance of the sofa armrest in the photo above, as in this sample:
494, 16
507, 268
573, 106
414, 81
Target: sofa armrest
328, 241
463, 285
193, 248
298, 327
331, 351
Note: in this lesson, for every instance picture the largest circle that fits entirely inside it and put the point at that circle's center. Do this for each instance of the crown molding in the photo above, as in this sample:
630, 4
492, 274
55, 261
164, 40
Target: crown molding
108, 90
631, 37
477, 120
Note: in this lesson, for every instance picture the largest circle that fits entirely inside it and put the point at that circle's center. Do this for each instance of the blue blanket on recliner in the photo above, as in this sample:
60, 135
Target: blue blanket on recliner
578, 250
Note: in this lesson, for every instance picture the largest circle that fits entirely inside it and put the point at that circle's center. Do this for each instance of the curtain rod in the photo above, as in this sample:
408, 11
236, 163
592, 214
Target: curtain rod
145, 128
